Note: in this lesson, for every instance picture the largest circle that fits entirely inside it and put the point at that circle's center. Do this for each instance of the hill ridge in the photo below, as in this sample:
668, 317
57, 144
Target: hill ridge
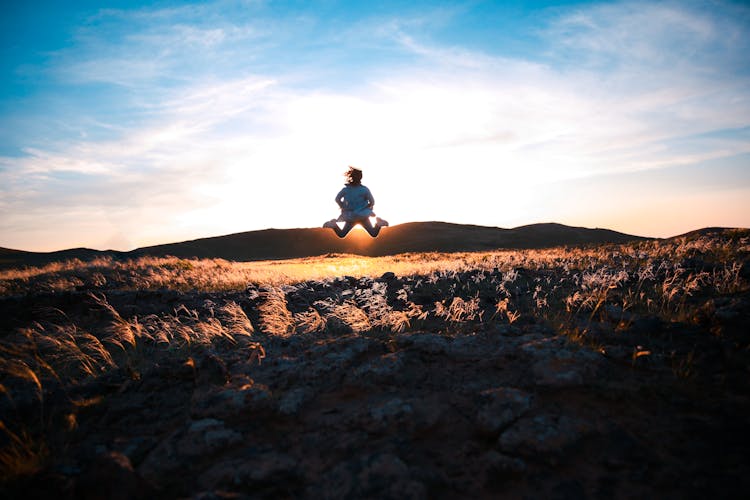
272, 243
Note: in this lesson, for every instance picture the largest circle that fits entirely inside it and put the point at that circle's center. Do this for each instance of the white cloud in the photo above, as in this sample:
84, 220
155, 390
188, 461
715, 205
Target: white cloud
466, 136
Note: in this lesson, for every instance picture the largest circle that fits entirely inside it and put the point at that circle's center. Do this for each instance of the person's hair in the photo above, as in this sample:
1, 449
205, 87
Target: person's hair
353, 176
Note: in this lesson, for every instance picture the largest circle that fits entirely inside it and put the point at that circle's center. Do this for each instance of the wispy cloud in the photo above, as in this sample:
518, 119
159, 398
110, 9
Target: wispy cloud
210, 111
164, 47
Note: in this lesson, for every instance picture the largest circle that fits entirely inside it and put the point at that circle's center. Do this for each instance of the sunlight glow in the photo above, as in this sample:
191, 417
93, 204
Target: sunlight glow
237, 127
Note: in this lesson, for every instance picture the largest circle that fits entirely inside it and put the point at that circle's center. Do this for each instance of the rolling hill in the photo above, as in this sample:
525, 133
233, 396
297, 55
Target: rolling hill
270, 244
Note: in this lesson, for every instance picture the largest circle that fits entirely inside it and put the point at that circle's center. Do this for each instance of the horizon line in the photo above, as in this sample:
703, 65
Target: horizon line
550, 223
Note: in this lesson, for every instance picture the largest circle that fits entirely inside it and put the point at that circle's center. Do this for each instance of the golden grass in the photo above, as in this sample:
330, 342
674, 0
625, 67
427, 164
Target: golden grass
153, 273
570, 288
21, 456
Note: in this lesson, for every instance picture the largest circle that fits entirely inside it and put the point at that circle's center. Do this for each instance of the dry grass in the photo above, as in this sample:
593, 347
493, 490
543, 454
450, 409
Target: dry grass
597, 265
21, 455
154, 273
569, 288
54, 354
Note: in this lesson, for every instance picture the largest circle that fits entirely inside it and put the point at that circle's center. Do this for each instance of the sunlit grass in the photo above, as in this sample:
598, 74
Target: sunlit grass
217, 274
571, 290
595, 263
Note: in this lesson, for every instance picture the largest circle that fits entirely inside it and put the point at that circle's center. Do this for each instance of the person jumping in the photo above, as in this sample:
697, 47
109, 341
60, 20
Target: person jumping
355, 202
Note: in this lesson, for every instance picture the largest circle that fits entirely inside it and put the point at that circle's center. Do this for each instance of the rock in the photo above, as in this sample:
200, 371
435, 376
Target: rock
501, 407
426, 294
135, 448
555, 372
219, 495
328, 358
429, 412
381, 475
388, 276
291, 402
570, 489
111, 475
205, 437
344, 281
466, 346
388, 474
558, 363
216, 439
429, 343
163, 460
227, 402
624, 449
380, 370
442, 408
543, 436
542, 346
496, 466
394, 413
212, 370
204, 424
267, 468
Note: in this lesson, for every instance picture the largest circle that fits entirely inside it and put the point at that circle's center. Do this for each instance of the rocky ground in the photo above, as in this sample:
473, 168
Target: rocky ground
467, 405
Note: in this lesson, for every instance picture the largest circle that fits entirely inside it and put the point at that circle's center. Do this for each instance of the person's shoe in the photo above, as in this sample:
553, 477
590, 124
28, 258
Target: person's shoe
330, 224
381, 222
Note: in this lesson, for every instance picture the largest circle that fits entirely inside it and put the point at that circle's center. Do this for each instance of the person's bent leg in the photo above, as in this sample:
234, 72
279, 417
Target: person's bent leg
372, 230
348, 226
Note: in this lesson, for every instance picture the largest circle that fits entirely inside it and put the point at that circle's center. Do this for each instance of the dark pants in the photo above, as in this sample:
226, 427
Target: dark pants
365, 223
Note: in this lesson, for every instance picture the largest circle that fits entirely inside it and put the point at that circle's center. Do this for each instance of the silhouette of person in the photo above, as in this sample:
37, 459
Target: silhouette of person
355, 202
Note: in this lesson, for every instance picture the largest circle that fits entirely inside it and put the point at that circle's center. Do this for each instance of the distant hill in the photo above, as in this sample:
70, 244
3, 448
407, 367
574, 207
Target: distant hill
269, 244
16, 258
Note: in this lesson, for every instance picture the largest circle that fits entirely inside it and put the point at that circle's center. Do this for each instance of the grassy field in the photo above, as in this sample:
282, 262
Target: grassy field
70, 324
721, 248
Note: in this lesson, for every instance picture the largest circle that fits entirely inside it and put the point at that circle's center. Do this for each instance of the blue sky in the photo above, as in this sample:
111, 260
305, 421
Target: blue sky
149, 122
